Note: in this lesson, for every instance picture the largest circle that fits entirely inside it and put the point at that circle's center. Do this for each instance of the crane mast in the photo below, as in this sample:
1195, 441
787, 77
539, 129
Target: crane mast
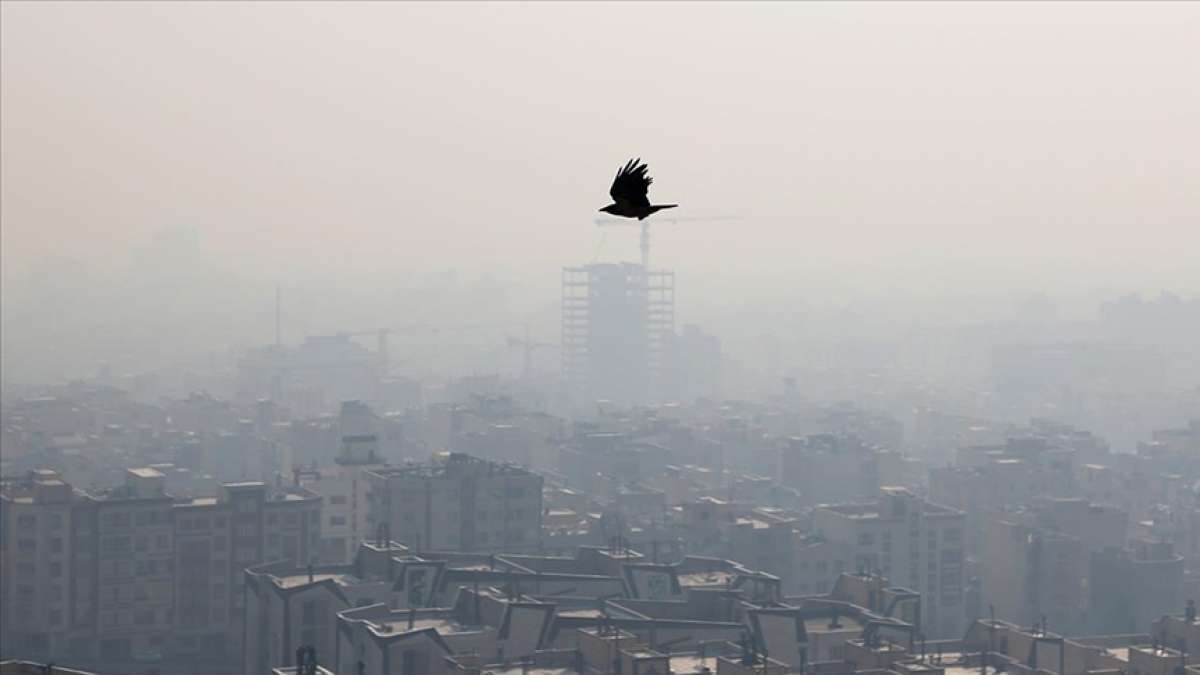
644, 239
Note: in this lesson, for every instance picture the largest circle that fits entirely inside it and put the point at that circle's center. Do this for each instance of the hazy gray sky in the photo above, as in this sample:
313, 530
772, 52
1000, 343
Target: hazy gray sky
956, 143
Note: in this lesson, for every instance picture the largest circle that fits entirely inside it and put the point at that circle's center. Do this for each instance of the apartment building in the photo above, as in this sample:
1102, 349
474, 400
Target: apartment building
290, 606
832, 468
217, 539
458, 503
37, 607
115, 574
1131, 587
1028, 574
345, 486
910, 540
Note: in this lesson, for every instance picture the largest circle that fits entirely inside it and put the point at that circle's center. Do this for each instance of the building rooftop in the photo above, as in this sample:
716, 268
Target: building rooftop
706, 578
395, 624
518, 669
456, 464
820, 624
294, 580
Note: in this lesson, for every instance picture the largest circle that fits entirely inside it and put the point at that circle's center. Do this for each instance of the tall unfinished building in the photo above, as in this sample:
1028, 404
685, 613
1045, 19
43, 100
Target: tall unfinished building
618, 322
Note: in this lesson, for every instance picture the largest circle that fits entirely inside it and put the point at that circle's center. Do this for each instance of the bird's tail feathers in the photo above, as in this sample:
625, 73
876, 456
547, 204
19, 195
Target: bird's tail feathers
660, 207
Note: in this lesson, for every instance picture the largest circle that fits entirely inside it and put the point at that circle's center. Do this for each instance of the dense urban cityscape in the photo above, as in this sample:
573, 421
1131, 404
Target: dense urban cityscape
319, 357
326, 509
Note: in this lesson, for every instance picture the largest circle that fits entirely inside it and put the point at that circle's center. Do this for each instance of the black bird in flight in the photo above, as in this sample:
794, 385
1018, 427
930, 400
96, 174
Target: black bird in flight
629, 190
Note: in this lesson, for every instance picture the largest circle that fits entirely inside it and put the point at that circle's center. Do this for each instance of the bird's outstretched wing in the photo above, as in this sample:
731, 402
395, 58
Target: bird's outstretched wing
631, 184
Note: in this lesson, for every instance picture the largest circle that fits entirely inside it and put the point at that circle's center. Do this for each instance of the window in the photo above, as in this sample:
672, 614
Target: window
116, 520
55, 570
27, 522
56, 521
334, 521
289, 519
483, 516
143, 617
161, 541
141, 543
27, 545
55, 617
116, 544
309, 613
56, 545
866, 539
337, 500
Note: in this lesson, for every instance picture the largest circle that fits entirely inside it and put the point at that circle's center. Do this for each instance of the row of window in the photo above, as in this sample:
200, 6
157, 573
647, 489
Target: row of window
29, 521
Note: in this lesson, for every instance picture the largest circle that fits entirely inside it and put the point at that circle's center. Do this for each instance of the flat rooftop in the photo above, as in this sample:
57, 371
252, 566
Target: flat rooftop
687, 664
820, 624
713, 578
969, 670
294, 580
510, 669
443, 625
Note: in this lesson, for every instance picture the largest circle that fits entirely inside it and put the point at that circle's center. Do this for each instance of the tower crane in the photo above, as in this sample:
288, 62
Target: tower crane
645, 225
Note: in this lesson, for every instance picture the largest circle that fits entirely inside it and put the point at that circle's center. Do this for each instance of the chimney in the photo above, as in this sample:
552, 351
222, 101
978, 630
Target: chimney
1190, 612
310, 573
